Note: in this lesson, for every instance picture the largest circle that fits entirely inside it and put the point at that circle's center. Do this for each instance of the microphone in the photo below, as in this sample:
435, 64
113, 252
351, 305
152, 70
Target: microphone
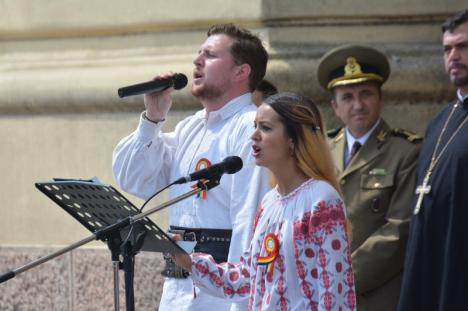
178, 81
229, 165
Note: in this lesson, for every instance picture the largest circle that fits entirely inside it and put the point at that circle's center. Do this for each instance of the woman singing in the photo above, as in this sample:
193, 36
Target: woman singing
299, 255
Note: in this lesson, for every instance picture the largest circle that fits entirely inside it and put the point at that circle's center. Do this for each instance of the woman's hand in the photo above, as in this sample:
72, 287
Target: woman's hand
182, 260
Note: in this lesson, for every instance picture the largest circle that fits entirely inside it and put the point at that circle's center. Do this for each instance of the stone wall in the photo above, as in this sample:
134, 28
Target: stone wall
61, 63
79, 280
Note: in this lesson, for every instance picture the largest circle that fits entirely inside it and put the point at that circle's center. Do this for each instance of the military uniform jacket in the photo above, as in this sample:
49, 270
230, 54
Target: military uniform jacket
378, 186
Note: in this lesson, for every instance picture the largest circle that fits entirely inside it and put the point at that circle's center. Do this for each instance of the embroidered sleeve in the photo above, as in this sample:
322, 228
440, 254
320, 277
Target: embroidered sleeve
323, 262
226, 280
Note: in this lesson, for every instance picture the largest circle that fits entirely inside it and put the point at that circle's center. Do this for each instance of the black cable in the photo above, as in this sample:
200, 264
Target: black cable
155, 194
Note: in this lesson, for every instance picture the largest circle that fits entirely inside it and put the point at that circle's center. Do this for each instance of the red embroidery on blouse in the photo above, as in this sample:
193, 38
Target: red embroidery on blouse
324, 217
258, 214
234, 275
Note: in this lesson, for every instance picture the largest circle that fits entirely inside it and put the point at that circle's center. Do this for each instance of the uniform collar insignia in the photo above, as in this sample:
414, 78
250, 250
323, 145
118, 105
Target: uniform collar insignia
340, 135
381, 136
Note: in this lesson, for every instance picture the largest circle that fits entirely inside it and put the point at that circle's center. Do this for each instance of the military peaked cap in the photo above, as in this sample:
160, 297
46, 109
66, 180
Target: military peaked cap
351, 64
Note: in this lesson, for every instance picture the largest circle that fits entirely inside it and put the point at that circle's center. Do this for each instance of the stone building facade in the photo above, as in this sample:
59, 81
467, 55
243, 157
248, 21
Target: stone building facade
61, 63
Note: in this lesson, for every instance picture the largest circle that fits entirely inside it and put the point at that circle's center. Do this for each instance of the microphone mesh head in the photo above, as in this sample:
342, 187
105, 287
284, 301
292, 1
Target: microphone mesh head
180, 81
232, 164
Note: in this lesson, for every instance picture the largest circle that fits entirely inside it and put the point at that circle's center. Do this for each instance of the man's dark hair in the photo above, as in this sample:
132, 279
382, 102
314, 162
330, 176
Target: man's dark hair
453, 22
246, 49
266, 88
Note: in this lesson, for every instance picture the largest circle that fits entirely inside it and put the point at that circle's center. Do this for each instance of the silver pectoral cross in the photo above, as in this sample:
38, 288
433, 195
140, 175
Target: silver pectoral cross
422, 190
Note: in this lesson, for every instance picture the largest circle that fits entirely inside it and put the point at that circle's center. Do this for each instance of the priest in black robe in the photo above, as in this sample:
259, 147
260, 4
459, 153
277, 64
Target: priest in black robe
436, 265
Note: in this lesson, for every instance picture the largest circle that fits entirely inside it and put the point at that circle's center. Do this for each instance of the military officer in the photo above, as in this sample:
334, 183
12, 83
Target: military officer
376, 167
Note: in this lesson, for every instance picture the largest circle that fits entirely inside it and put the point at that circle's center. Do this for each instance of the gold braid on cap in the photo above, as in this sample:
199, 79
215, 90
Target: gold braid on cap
353, 74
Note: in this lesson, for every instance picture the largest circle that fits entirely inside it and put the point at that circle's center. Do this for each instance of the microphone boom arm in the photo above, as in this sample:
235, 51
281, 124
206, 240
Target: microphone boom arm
201, 186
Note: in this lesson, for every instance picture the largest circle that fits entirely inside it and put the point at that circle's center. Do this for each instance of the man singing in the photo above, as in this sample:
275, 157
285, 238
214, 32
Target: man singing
228, 67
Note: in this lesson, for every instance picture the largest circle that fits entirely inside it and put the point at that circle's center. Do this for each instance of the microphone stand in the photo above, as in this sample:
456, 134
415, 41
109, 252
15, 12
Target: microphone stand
128, 248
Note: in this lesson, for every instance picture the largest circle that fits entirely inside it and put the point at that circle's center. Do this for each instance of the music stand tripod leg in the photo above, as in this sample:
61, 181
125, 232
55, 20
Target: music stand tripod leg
115, 269
114, 241
129, 248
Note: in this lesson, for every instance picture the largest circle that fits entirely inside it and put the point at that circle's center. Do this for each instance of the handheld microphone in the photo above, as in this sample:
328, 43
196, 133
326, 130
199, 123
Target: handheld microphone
178, 81
229, 165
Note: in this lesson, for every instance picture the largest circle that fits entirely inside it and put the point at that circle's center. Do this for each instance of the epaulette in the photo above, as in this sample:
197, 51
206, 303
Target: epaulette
408, 135
333, 132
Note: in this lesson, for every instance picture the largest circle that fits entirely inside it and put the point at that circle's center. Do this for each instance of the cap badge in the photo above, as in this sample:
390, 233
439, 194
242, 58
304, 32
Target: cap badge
352, 67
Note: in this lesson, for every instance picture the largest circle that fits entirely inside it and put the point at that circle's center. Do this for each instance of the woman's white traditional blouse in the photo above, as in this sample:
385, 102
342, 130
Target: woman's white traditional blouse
311, 268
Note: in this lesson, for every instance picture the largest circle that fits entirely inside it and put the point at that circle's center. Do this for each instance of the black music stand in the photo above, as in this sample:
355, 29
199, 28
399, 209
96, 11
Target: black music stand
107, 214
113, 219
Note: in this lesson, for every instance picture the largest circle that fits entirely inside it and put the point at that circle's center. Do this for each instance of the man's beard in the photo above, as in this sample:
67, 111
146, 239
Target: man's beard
460, 81
207, 92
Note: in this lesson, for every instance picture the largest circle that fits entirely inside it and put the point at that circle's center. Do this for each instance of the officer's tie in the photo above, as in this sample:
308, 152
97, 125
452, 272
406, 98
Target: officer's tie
356, 146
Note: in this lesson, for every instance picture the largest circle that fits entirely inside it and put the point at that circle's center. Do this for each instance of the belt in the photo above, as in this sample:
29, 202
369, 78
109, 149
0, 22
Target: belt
210, 241
203, 235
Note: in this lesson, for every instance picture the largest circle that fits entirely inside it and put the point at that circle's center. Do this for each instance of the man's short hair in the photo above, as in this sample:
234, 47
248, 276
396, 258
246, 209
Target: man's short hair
246, 49
453, 22
266, 88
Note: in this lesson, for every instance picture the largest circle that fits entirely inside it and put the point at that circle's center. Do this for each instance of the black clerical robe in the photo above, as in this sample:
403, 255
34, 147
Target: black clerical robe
436, 265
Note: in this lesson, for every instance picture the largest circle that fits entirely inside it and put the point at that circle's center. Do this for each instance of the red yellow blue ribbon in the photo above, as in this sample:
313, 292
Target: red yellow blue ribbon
201, 164
271, 246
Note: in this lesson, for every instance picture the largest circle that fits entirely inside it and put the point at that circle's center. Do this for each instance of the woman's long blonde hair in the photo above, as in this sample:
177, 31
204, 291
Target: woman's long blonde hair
303, 123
